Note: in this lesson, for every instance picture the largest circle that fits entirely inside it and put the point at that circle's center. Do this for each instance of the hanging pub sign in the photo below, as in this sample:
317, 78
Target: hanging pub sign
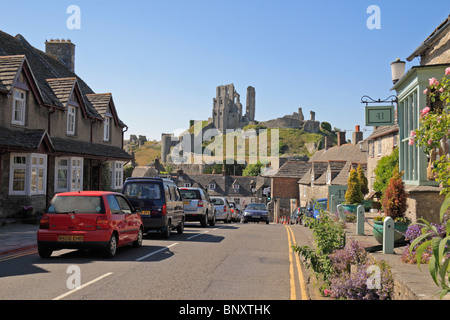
380, 116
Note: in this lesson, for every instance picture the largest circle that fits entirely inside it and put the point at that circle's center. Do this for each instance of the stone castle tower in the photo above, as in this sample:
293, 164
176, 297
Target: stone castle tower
227, 108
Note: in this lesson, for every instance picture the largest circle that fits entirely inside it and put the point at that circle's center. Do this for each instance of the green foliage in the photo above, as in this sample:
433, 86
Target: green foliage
363, 181
433, 128
383, 171
394, 199
329, 235
354, 194
252, 170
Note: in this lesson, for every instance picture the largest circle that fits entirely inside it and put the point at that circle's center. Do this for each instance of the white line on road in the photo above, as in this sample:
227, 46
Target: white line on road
155, 252
83, 286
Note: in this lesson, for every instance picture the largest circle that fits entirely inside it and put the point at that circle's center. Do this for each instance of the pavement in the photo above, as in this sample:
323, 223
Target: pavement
410, 282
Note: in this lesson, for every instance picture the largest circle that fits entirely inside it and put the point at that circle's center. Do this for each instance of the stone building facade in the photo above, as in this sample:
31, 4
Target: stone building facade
56, 134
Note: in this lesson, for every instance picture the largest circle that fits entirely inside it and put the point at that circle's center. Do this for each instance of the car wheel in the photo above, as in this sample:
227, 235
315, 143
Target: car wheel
167, 231
204, 221
138, 242
212, 222
180, 228
111, 249
44, 252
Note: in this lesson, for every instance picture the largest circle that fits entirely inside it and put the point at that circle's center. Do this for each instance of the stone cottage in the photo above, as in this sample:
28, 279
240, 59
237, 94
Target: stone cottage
56, 133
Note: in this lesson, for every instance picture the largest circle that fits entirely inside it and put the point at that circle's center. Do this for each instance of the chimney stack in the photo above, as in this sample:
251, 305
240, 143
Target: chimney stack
341, 138
63, 50
357, 135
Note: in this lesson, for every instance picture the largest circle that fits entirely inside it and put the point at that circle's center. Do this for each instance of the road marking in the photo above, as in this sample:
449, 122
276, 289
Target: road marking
196, 235
297, 260
18, 255
83, 286
291, 268
155, 252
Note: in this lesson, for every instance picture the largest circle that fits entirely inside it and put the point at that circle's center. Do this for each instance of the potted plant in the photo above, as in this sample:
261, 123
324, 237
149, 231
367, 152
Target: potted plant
354, 195
394, 206
364, 188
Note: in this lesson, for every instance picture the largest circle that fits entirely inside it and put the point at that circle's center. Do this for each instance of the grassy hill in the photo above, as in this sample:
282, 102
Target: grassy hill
293, 142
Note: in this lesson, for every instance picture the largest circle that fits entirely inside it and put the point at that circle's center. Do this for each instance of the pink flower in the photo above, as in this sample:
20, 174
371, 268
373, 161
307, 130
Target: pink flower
434, 82
430, 142
425, 111
411, 141
412, 134
441, 89
425, 91
447, 71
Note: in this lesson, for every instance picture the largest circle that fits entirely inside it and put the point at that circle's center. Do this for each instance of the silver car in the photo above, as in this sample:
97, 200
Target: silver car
223, 209
198, 206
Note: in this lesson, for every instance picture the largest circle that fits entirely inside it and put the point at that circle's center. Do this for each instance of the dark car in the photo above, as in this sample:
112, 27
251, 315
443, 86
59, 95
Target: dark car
89, 220
255, 212
160, 203
198, 206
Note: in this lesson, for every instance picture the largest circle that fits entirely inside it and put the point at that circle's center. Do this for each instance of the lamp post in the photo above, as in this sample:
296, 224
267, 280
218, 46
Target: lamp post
398, 70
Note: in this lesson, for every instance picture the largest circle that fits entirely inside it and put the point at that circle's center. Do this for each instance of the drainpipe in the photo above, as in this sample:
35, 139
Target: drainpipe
49, 121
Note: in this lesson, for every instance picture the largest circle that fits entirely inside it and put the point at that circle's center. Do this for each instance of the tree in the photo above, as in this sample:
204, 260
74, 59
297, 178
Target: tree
394, 199
353, 194
383, 171
252, 170
363, 181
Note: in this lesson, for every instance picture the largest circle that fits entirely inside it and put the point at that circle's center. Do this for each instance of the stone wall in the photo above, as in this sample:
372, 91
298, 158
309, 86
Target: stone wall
423, 202
439, 52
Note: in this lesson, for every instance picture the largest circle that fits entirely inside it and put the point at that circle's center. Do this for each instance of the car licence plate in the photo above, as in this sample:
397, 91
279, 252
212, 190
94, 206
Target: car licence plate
70, 238
186, 203
146, 213
256, 217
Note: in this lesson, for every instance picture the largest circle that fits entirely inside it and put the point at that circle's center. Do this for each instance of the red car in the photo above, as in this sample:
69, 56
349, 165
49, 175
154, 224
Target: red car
89, 220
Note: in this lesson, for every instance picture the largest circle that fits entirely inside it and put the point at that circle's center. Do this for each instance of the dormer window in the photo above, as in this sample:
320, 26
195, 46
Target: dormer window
235, 186
71, 120
19, 107
212, 186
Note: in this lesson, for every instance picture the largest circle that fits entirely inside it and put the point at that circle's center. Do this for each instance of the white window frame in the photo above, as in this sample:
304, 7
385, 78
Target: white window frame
212, 186
35, 174
236, 186
19, 106
107, 129
116, 174
187, 185
71, 120
74, 173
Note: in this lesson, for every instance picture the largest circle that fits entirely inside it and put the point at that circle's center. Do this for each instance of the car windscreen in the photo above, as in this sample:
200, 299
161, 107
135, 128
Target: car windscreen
217, 201
76, 204
142, 190
256, 206
189, 194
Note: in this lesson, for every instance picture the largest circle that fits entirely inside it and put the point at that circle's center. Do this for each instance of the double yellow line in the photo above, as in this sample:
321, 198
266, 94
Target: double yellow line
292, 255
18, 254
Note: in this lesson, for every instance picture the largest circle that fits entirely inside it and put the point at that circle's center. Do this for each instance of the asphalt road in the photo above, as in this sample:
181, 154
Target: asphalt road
226, 262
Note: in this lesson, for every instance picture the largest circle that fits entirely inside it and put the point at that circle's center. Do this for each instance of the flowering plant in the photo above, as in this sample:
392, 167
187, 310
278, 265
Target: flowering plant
434, 128
433, 132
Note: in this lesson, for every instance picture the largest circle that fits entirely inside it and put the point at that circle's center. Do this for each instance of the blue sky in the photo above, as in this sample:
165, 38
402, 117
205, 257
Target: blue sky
162, 60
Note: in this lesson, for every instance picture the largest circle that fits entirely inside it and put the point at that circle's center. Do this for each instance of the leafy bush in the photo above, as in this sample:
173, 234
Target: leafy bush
384, 169
354, 194
394, 199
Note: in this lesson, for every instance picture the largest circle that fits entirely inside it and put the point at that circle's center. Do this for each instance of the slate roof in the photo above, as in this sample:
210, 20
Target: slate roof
383, 131
44, 67
28, 139
69, 146
9, 66
224, 184
292, 169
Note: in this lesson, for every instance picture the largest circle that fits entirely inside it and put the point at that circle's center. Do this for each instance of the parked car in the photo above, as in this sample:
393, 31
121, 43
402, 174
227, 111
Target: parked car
235, 211
198, 206
223, 210
89, 219
160, 203
255, 212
